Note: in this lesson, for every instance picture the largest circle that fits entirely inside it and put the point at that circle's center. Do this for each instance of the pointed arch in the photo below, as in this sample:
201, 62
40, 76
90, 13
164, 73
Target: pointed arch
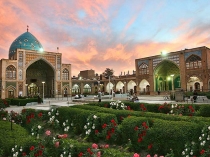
144, 86
193, 62
11, 72
165, 74
143, 69
65, 74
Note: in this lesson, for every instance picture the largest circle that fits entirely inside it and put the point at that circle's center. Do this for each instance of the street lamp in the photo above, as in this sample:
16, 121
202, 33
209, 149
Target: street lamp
26, 89
98, 85
172, 75
43, 90
109, 87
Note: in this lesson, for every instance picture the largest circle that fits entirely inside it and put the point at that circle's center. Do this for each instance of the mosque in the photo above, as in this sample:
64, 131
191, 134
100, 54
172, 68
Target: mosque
30, 70
186, 70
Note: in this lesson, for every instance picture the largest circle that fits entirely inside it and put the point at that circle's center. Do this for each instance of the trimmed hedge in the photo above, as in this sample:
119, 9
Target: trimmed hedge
79, 117
165, 135
9, 138
204, 111
22, 102
121, 114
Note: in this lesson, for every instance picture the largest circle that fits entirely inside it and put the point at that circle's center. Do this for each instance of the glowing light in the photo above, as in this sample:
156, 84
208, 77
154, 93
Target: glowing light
164, 53
41, 50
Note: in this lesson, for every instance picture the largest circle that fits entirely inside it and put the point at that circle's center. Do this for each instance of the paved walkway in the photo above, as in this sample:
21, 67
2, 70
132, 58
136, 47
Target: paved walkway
48, 103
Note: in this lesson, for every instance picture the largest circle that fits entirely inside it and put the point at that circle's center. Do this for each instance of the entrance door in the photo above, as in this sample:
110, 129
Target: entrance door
32, 89
197, 86
11, 93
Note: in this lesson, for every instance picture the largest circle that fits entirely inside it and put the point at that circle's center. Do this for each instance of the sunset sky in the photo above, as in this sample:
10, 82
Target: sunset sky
100, 34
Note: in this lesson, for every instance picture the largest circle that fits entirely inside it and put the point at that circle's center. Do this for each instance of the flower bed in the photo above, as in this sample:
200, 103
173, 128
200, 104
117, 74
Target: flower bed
129, 132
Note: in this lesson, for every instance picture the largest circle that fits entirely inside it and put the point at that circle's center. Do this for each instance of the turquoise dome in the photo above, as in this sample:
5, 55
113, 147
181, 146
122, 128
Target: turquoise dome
25, 41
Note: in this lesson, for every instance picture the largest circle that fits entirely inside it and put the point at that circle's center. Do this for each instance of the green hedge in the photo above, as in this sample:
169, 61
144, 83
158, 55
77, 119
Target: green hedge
23, 102
79, 117
148, 107
204, 111
121, 114
9, 138
165, 135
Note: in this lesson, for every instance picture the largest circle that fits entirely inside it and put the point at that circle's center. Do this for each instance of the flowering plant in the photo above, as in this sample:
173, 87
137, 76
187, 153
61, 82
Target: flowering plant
17, 151
143, 108
92, 126
3, 103
177, 109
204, 140
36, 130
4, 114
141, 131
164, 108
191, 110
110, 131
66, 125
53, 121
118, 105
189, 149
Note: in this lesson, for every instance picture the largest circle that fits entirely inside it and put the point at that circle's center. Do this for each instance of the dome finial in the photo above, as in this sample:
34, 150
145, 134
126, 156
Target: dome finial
27, 28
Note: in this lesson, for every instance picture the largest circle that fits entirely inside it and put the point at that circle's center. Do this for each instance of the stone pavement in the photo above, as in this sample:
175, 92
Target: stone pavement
49, 102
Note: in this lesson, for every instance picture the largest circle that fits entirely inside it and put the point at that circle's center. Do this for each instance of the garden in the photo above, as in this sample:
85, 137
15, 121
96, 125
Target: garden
107, 129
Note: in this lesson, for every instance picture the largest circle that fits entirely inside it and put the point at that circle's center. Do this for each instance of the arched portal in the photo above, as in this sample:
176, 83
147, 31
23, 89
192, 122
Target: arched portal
86, 89
131, 87
194, 84
119, 87
109, 87
166, 76
37, 73
144, 87
76, 89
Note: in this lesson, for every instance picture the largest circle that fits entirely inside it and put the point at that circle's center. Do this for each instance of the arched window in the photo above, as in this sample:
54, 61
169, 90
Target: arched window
65, 74
87, 88
143, 69
193, 62
11, 72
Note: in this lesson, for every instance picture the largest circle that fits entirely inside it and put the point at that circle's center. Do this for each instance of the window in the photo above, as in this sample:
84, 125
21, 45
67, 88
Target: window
143, 69
65, 74
11, 72
193, 62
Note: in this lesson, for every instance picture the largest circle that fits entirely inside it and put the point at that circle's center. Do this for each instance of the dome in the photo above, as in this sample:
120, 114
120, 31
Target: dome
25, 41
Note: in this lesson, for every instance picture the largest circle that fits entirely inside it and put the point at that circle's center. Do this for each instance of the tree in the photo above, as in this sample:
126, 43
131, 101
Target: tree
108, 72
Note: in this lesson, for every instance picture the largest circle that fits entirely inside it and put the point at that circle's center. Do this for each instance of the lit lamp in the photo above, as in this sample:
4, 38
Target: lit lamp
98, 86
43, 90
172, 75
26, 89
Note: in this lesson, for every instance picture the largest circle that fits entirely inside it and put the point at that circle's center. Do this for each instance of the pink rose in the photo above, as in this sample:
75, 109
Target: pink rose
57, 144
48, 132
99, 154
155, 155
136, 155
106, 146
148, 155
94, 146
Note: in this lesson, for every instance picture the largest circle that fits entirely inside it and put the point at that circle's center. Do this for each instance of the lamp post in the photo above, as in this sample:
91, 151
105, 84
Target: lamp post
172, 83
26, 89
43, 90
109, 87
125, 89
172, 75
98, 85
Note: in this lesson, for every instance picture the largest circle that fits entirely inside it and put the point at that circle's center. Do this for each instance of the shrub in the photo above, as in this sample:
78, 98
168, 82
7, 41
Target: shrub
204, 111
10, 137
